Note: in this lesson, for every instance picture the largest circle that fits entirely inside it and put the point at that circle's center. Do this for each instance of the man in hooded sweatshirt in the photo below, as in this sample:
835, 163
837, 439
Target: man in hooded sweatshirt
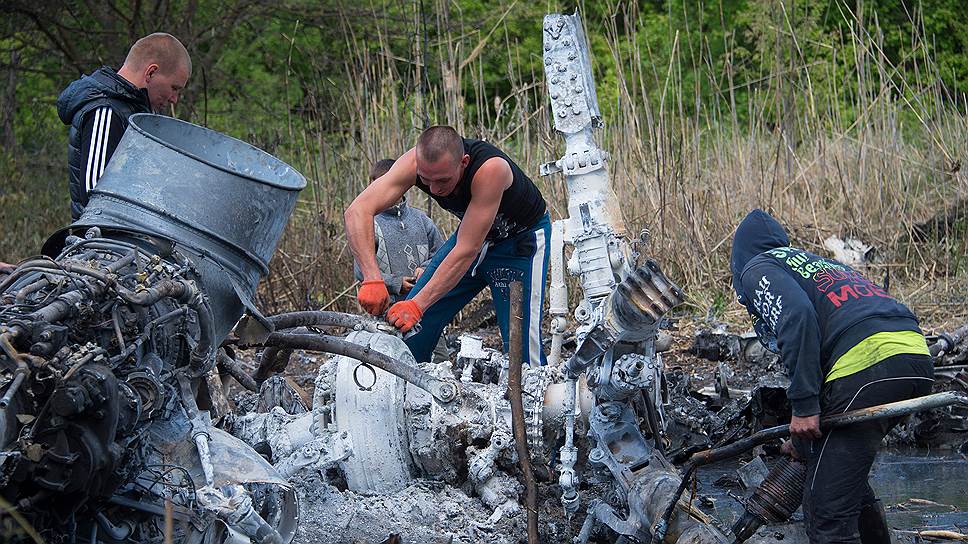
97, 106
847, 344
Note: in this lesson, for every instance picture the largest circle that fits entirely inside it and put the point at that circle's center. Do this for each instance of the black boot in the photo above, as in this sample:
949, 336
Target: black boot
872, 524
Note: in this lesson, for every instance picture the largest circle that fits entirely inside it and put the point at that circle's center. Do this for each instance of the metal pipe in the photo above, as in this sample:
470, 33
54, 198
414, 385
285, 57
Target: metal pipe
946, 342
568, 479
20, 373
557, 293
292, 320
882, 411
32, 287
232, 367
199, 431
444, 391
268, 364
515, 362
18, 379
178, 512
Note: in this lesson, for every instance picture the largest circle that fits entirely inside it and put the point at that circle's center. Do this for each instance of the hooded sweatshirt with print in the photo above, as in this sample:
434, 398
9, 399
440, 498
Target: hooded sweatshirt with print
814, 311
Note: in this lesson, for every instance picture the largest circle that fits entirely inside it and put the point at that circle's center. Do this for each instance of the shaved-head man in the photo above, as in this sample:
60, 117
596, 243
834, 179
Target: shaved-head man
97, 106
502, 238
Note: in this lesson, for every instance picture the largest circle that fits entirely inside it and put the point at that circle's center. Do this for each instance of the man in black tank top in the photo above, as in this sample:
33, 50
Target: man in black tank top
502, 237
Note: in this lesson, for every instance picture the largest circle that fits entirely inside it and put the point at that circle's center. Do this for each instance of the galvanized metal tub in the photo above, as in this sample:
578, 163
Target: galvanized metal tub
219, 199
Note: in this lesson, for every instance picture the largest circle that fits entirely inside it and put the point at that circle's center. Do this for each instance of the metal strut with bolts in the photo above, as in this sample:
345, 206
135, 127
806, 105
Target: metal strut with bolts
872, 413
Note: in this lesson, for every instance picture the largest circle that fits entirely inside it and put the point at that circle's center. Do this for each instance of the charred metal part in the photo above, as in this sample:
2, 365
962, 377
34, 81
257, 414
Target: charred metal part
292, 320
232, 368
630, 314
568, 455
105, 344
949, 348
274, 360
198, 165
444, 391
234, 505
594, 222
774, 500
621, 306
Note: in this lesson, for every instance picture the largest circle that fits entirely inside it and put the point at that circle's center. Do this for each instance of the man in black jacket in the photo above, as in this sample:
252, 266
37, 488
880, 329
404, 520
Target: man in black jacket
97, 106
847, 344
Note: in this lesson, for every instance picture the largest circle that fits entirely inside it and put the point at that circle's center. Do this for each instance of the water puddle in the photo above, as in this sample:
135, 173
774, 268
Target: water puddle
921, 489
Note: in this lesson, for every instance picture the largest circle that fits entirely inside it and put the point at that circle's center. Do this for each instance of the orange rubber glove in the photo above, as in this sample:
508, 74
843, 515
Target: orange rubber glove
404, 315
373, 296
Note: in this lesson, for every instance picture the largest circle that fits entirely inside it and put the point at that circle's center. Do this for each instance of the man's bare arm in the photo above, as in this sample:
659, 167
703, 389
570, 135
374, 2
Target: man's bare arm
384, 192
487, 188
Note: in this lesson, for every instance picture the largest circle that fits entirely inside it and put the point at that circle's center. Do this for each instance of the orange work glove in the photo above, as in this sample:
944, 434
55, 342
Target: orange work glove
373, 296
404, 315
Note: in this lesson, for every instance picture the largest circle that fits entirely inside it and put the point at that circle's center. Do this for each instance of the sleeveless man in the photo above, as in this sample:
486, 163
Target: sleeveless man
502, 237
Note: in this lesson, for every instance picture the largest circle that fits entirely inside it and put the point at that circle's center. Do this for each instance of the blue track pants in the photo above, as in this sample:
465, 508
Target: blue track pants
522, 258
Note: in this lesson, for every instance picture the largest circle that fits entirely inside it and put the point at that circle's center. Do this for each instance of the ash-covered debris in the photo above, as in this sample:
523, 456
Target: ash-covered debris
423, 511
744, 351
949, 349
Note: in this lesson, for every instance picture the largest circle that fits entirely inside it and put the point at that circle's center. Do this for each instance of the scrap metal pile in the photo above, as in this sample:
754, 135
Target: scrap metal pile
110, 350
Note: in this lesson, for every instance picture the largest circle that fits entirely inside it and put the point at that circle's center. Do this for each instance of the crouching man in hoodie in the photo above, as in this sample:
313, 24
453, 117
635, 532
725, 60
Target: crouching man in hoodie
97, 106
846, 344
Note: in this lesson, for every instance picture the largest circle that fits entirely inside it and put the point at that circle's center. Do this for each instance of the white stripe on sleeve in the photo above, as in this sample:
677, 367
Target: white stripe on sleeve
105, 134
90, 151
97, 139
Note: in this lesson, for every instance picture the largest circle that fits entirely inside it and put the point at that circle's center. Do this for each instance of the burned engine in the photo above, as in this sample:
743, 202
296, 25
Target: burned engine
110, 348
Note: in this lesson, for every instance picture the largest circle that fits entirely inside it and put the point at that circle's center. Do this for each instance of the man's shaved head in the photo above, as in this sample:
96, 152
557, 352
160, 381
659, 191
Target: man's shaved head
436, 142
162, 49
160, 64
441, 159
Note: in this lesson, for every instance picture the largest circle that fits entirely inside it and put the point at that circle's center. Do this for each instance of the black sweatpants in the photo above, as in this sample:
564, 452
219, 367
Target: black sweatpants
839, 462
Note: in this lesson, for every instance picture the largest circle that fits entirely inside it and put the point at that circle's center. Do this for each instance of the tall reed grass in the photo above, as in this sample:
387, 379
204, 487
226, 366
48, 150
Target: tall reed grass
849, 144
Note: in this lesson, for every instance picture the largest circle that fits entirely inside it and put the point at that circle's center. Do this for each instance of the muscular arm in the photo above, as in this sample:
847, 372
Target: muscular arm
487, 188
384, 192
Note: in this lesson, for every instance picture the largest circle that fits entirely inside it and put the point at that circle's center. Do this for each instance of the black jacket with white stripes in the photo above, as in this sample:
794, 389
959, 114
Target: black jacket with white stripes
96, 107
